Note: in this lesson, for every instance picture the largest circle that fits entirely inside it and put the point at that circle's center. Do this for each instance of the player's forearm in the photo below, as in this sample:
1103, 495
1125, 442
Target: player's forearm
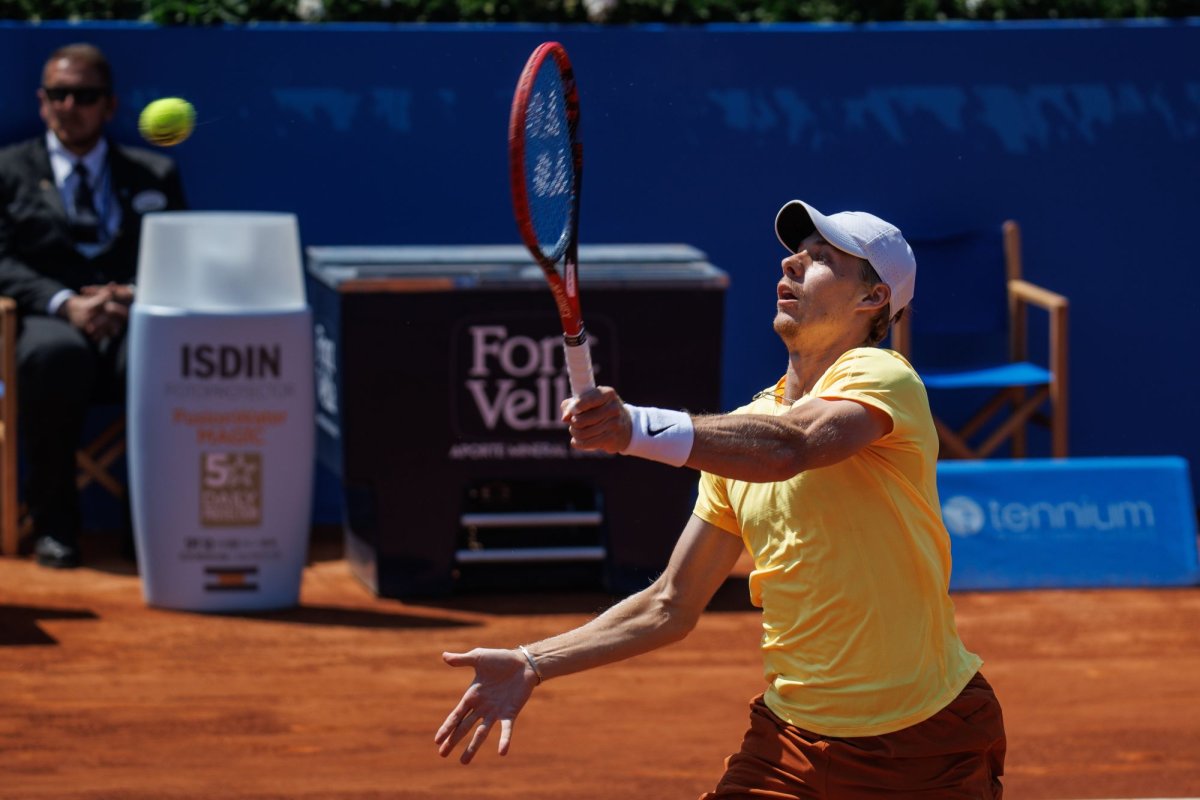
758, 448
638, 624
754, 448
748, 447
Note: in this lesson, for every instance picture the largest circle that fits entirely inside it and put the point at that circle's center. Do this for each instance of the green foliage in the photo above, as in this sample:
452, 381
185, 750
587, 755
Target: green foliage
1083, 9
624, 12
452, 11
217, 12
72, 9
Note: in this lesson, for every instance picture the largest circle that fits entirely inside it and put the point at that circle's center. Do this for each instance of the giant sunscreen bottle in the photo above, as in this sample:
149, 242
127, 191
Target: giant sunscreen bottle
220, 409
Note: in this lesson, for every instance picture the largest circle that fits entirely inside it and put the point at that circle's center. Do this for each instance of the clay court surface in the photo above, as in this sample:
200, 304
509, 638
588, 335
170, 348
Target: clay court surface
102, 697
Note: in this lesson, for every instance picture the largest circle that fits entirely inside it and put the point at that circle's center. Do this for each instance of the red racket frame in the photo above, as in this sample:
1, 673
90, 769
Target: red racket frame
565, 287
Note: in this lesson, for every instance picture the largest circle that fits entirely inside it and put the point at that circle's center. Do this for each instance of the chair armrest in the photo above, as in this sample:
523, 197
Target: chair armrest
1032, 293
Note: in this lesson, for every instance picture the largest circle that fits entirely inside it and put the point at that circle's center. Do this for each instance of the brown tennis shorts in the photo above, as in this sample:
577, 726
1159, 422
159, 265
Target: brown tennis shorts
958, 753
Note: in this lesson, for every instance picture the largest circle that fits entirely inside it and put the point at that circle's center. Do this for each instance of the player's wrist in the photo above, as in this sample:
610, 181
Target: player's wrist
660, 434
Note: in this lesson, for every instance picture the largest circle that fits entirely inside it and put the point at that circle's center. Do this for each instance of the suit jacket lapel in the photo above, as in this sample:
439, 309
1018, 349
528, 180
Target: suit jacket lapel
119, 171
45, 180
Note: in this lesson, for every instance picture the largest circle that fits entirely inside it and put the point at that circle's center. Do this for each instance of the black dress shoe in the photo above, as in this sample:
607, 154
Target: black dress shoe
56, 554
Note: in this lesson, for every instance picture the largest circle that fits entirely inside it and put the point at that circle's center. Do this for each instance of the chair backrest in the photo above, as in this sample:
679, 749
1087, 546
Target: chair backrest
960, 314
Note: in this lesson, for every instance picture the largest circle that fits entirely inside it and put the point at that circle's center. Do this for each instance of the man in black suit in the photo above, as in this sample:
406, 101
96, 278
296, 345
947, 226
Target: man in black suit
71, 205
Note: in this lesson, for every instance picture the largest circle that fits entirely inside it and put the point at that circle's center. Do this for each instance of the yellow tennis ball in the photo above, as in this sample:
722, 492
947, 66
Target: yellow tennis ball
167, 122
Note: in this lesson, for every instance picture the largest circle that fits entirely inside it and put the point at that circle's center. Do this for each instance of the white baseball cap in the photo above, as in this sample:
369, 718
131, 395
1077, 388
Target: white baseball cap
859, 234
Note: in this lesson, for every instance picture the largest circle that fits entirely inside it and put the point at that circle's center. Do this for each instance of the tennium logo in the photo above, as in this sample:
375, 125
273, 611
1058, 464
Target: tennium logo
964, 516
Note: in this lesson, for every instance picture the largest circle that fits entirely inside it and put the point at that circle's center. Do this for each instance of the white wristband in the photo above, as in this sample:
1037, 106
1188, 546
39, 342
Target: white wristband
660, 435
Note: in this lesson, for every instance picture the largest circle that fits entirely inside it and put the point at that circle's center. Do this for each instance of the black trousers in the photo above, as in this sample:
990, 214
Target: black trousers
61, 373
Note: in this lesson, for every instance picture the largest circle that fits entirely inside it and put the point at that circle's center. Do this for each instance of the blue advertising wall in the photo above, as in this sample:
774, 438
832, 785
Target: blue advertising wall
1086, 133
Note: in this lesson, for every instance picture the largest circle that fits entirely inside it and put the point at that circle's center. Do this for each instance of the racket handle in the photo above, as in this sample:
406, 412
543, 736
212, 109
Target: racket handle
579, 363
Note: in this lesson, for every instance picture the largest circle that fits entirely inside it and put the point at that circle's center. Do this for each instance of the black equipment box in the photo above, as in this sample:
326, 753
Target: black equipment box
439, 377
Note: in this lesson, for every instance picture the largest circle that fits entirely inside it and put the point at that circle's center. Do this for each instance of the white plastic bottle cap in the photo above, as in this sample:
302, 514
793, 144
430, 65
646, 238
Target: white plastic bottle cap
220, 261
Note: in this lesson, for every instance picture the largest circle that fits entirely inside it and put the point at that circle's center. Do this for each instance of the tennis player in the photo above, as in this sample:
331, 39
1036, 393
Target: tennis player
827, 478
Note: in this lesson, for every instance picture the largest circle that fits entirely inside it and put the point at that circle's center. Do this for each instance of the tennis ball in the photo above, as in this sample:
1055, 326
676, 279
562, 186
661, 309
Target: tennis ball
167, 122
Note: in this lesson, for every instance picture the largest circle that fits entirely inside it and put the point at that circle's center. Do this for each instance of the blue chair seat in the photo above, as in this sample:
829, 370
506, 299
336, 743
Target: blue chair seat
1020, 373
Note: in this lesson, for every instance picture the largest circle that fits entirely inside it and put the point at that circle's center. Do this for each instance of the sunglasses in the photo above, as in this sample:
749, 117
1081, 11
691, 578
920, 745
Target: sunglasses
84, 95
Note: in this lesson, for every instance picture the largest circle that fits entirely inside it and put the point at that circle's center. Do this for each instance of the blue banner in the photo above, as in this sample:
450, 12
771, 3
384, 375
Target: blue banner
1069, 523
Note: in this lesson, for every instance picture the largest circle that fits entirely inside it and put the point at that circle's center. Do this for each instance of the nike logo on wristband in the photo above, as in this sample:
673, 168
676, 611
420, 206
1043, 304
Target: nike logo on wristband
660, 435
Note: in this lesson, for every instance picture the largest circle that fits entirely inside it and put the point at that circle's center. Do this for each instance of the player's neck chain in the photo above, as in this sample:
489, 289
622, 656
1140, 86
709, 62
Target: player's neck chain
780, 397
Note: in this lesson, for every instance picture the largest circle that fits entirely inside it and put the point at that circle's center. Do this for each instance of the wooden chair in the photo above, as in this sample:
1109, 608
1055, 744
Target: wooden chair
963, 337
9, 514
93, 459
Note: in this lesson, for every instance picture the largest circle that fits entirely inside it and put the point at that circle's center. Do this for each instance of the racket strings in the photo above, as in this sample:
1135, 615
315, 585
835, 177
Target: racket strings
549, 165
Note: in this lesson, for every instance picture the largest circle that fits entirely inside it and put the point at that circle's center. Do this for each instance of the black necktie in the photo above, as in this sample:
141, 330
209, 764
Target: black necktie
85, 227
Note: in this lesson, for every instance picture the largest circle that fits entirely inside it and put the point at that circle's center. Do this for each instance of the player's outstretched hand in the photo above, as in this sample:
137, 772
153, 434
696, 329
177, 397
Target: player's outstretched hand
598, 420
503, 684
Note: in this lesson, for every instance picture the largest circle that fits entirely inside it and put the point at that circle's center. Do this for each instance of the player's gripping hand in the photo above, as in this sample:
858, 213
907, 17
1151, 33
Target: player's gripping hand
503, 684
598, 420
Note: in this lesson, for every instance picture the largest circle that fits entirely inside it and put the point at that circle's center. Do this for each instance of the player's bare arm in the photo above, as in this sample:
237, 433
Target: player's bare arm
759, 448
663, 613
749, 447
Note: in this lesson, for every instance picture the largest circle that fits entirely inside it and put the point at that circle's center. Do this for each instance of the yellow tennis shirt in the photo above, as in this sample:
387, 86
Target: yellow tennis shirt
852, 565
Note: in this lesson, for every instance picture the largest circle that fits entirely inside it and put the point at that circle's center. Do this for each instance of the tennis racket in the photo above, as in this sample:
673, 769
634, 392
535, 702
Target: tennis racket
545, 169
